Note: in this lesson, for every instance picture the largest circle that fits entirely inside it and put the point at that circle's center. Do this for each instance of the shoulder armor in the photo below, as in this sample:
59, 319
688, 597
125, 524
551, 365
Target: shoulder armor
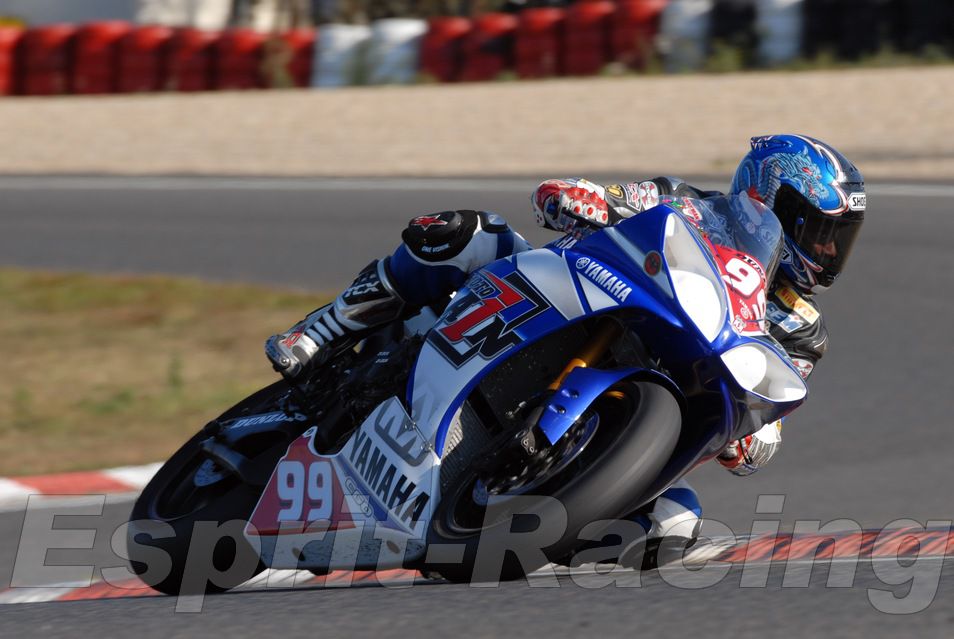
492, 223
440, 236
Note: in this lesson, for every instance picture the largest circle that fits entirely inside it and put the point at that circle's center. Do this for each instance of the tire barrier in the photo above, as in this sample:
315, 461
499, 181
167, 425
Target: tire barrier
340, 55
96, 57
442, 52
634, 31
852, 29
732, 26
10, 41
393, 53
538, 42
288, 59
143, 57
47, 53
928, 23
684, 32
586, 48
238, 60
488, 48
190, 60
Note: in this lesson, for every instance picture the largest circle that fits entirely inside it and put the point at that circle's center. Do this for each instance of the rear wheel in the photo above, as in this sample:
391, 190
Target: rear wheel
606, 460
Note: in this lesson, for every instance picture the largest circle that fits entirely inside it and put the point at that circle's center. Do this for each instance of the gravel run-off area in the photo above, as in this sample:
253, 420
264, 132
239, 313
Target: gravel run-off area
895, 124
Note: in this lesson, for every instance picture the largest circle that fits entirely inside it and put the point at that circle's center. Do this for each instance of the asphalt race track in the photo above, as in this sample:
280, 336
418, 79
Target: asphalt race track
872, 446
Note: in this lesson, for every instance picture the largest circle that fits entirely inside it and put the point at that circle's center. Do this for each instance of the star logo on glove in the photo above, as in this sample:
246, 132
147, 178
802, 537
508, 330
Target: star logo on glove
427, 221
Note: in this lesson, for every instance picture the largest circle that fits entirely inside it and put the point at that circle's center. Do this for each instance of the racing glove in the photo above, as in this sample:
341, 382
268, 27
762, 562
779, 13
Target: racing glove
562, 205
745, 456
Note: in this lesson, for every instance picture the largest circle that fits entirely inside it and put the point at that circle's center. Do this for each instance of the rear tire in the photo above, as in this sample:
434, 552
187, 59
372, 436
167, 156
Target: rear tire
622, 461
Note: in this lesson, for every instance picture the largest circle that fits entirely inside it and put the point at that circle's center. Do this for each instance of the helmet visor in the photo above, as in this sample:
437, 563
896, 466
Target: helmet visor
826, 239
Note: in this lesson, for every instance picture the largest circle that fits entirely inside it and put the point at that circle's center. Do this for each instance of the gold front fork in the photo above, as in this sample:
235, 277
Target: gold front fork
606, 333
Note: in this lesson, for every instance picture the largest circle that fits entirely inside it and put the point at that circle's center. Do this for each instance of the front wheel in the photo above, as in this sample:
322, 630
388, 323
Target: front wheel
193, 497
609, 458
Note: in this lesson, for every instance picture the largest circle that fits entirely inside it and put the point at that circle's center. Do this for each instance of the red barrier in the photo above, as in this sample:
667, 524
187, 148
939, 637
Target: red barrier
96, 57
488, 49
47, 53
537, 45
239, 54
10, 40
190, 65
634, 30
142, 59
586, 47
442, 48
297, 55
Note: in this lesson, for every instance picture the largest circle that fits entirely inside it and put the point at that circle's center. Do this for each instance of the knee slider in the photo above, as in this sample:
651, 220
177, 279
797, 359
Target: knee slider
440, 236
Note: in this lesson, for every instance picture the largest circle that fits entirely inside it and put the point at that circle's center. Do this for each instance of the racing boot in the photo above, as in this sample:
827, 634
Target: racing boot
369, 302
672, 526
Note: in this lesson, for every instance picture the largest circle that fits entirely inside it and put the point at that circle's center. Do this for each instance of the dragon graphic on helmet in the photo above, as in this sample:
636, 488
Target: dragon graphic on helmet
817, 194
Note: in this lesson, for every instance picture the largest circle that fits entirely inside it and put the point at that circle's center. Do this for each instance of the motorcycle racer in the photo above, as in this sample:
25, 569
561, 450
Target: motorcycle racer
817, 194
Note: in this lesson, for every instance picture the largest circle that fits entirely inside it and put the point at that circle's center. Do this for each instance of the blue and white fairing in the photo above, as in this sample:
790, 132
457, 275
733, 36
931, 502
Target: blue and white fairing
687, 278
661, 270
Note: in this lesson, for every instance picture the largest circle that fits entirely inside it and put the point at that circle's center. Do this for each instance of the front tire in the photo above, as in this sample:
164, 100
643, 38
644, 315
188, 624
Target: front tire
176, 498
638, 430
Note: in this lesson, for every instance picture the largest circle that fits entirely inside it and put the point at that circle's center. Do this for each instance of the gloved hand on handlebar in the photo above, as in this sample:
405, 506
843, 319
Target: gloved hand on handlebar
562, 206
745, 456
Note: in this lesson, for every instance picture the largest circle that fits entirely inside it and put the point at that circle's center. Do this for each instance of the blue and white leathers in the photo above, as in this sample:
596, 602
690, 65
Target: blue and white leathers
423, 281
659, 276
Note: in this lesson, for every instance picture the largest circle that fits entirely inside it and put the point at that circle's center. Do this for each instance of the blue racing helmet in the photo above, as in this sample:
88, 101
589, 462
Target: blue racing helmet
818, 196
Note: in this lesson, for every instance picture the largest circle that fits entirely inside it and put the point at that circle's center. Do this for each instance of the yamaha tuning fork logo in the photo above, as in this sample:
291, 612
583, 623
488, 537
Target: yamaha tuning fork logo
603, 277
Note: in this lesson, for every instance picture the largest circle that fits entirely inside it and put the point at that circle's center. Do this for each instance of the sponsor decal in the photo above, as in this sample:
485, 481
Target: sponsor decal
434, 249
396, 492
686, 207
794, 302
483, 321
566, 242
857, 201
604, 278
789, 322
292, 339
745, 282
632, 194
266, 418
652, 264
366, 287
380, 476
792, 323
361, 288
648, 195
615, 190
427, 221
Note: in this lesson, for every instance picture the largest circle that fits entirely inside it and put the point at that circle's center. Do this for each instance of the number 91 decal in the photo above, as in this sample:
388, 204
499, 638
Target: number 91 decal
745, 281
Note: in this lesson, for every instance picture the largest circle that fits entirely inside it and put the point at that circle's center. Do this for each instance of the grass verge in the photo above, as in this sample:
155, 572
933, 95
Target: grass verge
100, 371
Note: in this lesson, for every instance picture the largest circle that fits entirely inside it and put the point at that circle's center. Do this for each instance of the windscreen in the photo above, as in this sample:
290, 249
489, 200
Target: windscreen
737, 222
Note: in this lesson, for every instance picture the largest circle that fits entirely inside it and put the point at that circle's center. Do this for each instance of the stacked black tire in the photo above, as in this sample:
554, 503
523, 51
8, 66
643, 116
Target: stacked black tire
852, 29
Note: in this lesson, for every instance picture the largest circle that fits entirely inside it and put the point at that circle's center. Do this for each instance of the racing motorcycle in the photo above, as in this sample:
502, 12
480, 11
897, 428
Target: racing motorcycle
560, 386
